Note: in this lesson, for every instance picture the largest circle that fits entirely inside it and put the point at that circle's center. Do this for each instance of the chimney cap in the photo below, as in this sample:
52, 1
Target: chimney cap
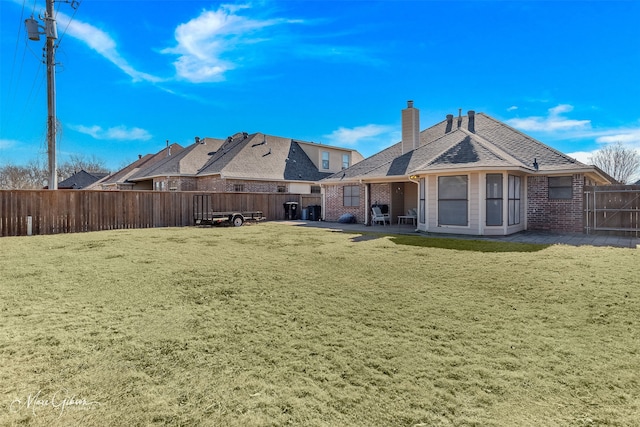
471, 113
409, 104
449, 117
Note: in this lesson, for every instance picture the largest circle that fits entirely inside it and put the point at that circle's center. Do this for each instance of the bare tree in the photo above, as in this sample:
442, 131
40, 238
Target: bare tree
618, 161
31, 176
78, 162
35, 173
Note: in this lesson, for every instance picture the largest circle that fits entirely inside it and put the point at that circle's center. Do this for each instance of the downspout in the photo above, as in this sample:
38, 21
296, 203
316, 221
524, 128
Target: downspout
366, 203
415, 179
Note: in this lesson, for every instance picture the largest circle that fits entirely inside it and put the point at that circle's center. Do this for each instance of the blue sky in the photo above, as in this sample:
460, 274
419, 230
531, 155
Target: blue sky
133, 74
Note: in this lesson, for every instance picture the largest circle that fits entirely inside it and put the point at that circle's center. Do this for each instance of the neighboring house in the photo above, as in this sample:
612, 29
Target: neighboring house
466, 175
243, 163
80, 180
265, 163
120, 180
178, 170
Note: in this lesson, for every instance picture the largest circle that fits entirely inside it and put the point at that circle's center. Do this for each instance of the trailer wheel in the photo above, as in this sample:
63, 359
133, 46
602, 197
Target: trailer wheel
238, 220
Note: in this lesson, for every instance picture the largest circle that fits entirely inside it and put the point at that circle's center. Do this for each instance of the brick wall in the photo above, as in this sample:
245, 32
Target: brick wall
546, 214
210, 183
215, 183
335, 208
380, 193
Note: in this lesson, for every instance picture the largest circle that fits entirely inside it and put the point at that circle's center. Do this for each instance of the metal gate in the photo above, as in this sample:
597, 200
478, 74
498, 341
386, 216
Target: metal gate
612, 209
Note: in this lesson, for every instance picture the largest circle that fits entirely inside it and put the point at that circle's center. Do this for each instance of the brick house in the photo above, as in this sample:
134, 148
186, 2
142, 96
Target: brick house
241, 163
466, 175
119, 180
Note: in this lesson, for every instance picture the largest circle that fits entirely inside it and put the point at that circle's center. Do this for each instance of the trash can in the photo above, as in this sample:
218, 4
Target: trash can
305, 214
291, 210
314, 212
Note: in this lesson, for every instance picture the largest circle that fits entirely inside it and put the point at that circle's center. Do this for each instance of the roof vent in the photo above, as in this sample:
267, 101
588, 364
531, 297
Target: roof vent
449, 123
535, 164
459, 117
472, 121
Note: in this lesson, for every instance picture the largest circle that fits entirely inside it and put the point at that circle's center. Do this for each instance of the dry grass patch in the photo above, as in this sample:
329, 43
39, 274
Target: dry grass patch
276, 325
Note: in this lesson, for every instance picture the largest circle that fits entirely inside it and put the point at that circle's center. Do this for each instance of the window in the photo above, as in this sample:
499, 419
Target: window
494, 199
315, 189
238, 187
351, 196
325, 160
452, 200
282, 188
345, 161
514, 200
560, 187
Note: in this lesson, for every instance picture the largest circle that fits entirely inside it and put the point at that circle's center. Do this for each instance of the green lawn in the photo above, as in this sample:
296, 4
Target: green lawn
273, 324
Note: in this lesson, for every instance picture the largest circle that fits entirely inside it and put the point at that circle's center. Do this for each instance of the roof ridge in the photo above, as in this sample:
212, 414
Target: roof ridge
441, 153
545, 146
494, 149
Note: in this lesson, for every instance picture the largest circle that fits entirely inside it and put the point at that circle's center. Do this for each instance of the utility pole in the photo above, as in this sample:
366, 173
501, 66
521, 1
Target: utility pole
51, 32
52, 35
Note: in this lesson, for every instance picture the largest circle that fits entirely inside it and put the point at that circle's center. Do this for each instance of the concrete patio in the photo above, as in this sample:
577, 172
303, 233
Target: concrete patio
573, 239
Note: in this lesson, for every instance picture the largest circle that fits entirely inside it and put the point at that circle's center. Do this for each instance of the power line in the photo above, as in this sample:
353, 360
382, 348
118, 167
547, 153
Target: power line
75, 5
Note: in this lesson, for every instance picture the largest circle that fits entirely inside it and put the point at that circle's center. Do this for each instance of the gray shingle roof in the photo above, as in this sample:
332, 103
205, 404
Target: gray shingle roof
264, 157
184, 162
143, 162
446, 145
81, 180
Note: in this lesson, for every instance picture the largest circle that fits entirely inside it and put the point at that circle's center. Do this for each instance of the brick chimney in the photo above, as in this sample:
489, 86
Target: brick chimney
410, 128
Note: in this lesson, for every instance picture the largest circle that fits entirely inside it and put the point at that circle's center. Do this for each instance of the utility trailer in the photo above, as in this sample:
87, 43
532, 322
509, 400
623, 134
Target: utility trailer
203, 214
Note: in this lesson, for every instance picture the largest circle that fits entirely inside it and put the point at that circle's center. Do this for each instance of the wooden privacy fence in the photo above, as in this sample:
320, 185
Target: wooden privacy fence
73, 211
612, 209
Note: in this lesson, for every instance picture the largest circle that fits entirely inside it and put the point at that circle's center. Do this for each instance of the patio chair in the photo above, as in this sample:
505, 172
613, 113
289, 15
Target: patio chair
378, 216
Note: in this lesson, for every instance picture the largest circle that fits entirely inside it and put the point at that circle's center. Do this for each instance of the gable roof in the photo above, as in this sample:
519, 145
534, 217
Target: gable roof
262, 157
81, 180
185, 162
146, 161
454, 145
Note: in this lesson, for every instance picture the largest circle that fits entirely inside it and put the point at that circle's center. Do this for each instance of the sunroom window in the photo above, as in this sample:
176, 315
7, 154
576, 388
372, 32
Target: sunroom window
453, 200
494, 199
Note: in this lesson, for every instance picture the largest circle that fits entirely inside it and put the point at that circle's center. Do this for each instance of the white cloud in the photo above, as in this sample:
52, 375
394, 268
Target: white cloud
350, 137
553, 122
120, 133
627, 137
211, 44
512, 108
6, 144
582, 156
103, 44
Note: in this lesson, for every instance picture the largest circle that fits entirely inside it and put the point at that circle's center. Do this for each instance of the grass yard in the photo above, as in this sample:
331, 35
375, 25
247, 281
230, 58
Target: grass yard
272, 325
